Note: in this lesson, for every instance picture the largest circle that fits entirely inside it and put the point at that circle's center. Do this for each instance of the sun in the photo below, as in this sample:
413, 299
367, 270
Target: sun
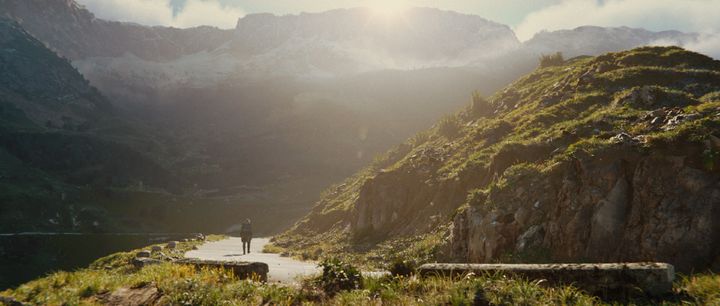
387, 9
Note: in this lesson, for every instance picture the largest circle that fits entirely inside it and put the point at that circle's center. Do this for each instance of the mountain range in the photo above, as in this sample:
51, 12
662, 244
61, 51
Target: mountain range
252, 121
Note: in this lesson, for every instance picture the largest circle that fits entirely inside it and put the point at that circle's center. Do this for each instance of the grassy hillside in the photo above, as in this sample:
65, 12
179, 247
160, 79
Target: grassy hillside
602, 158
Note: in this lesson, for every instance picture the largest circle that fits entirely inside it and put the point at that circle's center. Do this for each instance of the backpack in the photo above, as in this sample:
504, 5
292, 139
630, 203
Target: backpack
246, 228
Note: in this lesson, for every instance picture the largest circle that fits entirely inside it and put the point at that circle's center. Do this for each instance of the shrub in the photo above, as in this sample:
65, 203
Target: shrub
549, 60
449, 126
709, 158
419, 139
402, 267
338, 276
480, 107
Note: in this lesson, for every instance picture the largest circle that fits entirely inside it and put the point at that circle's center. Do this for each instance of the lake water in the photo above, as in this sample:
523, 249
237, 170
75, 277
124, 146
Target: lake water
26, 256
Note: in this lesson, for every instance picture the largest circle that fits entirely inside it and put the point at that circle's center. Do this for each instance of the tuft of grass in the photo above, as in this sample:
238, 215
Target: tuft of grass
271, 248
549, 60
701, 289
449, 126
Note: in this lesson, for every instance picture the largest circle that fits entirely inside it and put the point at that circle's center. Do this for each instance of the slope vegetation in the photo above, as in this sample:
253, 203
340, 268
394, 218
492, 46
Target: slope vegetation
608, 158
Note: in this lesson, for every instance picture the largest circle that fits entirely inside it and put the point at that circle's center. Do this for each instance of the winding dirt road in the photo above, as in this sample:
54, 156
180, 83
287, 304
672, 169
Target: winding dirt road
282, 269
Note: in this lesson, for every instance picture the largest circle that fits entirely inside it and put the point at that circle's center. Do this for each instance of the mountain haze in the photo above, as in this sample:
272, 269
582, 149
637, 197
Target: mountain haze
257, 120
384, 153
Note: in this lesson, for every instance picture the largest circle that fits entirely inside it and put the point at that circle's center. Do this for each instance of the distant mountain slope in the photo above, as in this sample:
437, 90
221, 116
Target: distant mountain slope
75, 33
52, 144
608, 158
44, 86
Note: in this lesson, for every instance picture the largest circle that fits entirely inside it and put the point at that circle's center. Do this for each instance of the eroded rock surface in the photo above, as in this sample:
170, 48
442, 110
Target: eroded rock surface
141, 296
625, 208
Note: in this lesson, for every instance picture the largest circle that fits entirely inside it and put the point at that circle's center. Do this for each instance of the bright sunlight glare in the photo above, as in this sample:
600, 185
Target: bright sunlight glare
388, 9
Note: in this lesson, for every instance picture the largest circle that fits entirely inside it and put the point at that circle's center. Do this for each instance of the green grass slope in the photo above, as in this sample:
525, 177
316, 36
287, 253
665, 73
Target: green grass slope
521, 148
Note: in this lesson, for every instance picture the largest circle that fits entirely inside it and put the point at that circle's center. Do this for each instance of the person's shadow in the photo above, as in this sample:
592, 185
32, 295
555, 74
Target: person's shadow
233, 255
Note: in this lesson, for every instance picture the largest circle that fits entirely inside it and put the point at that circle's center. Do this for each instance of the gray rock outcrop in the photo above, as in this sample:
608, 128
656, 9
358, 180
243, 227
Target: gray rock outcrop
626, 208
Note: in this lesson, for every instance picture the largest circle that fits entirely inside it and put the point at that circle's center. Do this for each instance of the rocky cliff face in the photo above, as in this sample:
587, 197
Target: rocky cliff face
336, 39
612, 158
623, 206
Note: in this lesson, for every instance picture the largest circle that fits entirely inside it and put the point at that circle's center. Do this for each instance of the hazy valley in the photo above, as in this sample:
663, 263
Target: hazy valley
432, 136
248, 122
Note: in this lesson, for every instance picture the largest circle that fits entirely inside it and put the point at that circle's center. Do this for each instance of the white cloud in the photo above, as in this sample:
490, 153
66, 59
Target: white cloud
702, 16
707, 44
207, 12
160, 12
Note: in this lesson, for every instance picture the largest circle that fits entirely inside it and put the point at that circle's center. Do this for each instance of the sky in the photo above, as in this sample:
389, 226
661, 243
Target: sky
526, 17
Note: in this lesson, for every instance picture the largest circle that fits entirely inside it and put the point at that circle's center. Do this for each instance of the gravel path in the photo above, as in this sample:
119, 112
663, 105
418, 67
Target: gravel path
282, 269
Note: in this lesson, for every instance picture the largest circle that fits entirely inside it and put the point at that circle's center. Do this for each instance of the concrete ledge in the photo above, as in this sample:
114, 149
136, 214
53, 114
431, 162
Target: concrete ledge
242, 270
601, 279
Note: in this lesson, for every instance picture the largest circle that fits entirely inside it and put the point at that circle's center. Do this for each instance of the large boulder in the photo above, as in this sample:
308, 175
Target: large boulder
145, 295
172, 245
142, 262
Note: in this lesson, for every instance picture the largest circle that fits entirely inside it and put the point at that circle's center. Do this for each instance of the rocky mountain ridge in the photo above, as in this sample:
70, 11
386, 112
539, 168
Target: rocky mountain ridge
323, 44
75, 33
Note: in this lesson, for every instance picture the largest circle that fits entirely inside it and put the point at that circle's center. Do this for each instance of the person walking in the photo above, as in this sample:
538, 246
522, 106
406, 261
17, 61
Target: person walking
246, 235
